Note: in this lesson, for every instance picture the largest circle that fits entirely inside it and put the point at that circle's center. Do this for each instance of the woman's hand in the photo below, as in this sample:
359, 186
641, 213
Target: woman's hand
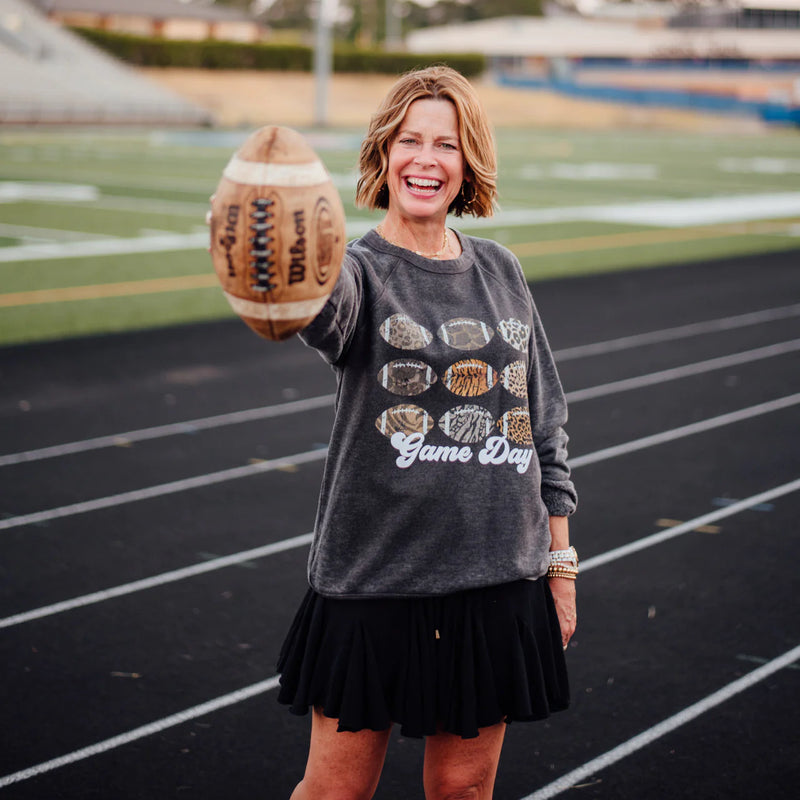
563, 591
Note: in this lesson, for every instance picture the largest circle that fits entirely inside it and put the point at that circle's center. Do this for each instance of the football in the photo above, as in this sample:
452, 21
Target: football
277, 232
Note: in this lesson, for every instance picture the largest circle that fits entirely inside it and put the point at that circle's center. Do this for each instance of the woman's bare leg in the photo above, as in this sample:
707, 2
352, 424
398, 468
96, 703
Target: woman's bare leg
344, 766
462, 769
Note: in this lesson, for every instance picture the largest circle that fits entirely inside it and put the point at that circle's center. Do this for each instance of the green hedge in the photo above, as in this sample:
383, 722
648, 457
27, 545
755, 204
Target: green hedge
211, 54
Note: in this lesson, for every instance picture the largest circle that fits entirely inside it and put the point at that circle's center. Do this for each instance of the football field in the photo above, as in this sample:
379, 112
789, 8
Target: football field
103, 230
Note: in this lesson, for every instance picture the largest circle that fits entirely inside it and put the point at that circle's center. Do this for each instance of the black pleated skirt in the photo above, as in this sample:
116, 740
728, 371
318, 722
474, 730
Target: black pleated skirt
456, 662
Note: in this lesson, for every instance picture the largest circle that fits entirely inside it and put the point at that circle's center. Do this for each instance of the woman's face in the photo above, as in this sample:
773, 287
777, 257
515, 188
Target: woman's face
426, 165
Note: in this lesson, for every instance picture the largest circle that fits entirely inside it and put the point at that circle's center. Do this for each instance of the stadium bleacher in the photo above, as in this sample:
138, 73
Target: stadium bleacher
50, 75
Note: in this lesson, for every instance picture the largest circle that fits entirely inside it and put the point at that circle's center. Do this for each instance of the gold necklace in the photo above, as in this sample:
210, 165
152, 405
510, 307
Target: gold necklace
437, 254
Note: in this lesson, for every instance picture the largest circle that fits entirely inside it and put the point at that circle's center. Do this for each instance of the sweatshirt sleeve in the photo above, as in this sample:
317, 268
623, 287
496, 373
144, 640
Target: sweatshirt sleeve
332, 329
548, 410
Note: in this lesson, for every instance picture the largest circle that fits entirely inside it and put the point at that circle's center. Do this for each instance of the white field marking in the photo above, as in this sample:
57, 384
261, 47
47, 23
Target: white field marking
148, 493
16, 191
658, 213
555, 788
173, 429
190, 426
591, 171
685, 527
685, 430
679, 332
663, 213
763, 165
666, 726
158, 726
698, 368
104, 247
234, 473
48, 234
299, 541
158, 580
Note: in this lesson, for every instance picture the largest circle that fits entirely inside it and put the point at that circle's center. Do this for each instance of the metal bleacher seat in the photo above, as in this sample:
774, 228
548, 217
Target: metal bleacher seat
50, 75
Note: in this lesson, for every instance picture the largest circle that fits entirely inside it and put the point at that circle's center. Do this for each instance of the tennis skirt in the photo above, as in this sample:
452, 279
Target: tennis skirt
457, 662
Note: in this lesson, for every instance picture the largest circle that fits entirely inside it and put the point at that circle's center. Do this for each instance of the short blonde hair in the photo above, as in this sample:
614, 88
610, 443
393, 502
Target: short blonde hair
479, 190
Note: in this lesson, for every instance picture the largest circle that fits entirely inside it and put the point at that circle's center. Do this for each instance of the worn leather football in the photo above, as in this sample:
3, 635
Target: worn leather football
277, 232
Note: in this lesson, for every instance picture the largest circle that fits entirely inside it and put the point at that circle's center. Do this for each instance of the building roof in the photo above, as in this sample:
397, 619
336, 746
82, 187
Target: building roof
156, 9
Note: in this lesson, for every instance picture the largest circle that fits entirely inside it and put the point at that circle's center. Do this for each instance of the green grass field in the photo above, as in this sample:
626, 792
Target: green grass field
119, 215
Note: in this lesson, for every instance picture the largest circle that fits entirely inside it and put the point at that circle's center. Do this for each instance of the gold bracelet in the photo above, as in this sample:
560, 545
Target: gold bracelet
562, 571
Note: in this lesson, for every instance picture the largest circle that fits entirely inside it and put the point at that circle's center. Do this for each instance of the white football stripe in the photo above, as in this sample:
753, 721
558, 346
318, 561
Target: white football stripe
257, 173
298, 309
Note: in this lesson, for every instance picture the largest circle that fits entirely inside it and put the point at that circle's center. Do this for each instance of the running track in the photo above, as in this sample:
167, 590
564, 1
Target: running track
158, 489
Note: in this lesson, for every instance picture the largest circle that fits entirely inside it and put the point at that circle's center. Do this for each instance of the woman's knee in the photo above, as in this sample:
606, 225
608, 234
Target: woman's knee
331, 790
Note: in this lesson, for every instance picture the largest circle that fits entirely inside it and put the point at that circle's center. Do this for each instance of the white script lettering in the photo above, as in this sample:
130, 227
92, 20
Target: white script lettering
412, 447
498, 451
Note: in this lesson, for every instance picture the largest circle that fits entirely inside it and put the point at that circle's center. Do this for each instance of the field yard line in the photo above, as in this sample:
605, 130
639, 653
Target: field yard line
672, 213
698, 368
172, 429
678, 332
666, 726
565, 782
105, 247
637, 238
162, 489
249, 415
298, 541
103, 290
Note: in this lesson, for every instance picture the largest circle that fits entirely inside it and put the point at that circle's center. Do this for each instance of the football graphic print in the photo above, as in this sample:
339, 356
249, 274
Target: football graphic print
466, 334
406, 377
470, 378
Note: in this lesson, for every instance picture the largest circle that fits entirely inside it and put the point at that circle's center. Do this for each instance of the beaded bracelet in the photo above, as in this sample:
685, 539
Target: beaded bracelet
568, 556
562, 571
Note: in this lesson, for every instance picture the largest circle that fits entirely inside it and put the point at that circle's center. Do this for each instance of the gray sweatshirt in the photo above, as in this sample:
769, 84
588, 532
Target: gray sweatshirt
447, 453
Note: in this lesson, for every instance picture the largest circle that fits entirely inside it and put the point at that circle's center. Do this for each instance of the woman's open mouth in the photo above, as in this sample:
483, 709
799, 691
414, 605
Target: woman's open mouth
423, 185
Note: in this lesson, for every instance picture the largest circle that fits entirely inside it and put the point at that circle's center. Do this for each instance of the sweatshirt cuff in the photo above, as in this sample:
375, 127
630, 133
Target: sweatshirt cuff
559, 502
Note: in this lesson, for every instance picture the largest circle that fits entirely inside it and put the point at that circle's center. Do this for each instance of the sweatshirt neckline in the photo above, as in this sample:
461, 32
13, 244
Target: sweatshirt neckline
442, 266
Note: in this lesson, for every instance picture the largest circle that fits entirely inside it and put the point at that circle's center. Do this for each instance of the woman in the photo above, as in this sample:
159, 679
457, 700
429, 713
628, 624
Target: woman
442, 594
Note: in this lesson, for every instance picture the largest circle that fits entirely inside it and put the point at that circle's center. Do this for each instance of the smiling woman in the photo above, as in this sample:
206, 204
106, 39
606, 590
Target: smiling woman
441, 590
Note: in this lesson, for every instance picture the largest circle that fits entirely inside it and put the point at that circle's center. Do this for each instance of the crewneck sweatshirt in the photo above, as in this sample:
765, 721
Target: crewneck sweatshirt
448, 452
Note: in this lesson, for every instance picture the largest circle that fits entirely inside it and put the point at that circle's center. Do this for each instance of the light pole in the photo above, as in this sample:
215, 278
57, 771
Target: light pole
323, 59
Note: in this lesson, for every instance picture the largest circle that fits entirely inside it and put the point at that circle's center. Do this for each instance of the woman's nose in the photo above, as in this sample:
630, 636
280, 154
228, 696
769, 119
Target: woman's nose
425, 157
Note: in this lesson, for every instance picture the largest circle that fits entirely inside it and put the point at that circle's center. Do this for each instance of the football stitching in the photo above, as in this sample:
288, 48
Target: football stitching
261, 263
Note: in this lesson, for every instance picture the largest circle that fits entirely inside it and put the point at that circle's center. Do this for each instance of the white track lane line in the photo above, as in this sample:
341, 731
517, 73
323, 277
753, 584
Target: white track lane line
173, 429
299, 541
313, 403
685, 430
234, 473
148, 493
264, 412
272, 683
667, 726
158, 580
698, 368
679, 332
145, 730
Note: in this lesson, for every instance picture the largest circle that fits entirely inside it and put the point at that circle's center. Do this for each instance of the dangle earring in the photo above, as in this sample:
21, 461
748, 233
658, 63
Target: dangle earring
466, 202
